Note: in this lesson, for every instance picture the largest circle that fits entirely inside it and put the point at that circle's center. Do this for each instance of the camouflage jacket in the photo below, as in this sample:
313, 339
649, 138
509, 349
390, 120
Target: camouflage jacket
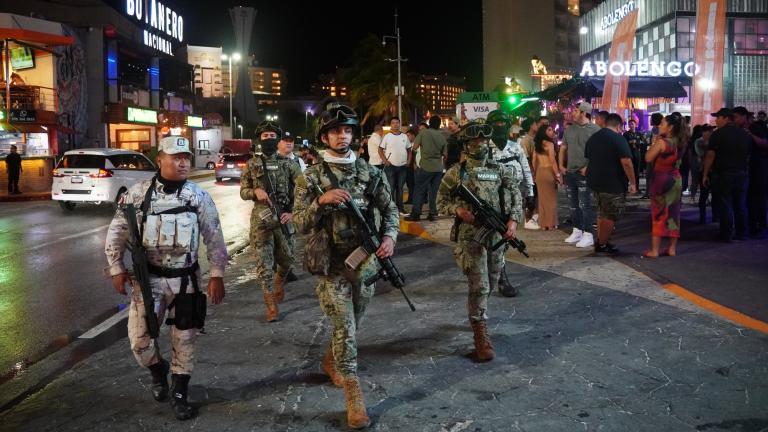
513, 156
172, 241
488, 180
368, 188
282, 171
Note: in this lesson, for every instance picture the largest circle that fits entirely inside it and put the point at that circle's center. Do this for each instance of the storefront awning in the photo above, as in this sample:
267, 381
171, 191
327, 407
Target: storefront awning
24, 127
35, 37
649, 87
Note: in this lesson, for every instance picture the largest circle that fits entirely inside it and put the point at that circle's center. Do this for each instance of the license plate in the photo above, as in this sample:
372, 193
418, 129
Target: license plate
76, 179
230, 165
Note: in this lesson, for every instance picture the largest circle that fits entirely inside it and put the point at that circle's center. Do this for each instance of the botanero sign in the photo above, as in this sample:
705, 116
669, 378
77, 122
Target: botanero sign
162, 23
641, 69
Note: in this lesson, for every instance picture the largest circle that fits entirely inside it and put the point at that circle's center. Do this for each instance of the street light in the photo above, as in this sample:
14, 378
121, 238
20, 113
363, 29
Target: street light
241, 130
398, 60
229, 58
306, 118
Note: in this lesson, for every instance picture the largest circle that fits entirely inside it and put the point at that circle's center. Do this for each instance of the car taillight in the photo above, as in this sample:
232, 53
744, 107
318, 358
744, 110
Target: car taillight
219, 164
57, 173
101, 174
241, 164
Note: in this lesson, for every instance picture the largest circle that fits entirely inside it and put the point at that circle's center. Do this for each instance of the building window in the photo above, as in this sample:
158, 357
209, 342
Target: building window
750, 36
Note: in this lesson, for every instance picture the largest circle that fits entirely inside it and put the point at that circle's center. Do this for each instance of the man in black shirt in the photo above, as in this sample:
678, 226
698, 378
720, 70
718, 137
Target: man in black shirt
758, 170
608, 170
13, 166
453, 150
635, 140
725, 169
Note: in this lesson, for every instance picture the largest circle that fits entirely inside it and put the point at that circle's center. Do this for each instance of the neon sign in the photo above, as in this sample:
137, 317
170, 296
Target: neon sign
617, 15
641, 69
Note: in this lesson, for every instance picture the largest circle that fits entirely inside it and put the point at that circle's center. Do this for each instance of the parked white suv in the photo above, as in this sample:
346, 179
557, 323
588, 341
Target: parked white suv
98, 175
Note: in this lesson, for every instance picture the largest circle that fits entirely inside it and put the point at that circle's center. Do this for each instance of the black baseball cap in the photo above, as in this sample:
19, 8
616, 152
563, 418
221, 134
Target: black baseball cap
723, 112
740, 110
287, 136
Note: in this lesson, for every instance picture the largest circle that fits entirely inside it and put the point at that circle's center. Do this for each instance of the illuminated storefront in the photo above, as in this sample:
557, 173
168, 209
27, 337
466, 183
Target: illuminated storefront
664, 50
132, 128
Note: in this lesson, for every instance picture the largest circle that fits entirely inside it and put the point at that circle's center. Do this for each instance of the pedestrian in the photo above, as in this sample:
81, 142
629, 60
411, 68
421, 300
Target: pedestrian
758, 171
343, 293
14, 169
666, 185
395, 152
608, 171
548, 176
694, 163
453, 151
529, 128
601, 118
636, 141
700, 149
171, 213
431, 146
285, 149
410, 173
573, 165
373, 147
492, 182
656, 119
269, 181
725, 173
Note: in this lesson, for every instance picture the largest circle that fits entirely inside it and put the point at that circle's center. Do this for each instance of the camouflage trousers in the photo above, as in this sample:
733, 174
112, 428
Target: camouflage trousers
270, 246
344, 299
146, 350
482, 267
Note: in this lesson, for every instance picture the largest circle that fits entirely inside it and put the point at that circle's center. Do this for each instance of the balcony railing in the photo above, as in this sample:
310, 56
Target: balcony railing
28, 97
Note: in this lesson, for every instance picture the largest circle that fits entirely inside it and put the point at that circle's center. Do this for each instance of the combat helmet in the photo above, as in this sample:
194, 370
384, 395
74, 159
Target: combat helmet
336, 115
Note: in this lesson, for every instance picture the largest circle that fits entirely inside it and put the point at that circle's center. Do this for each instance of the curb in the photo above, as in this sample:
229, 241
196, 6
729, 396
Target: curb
46, 196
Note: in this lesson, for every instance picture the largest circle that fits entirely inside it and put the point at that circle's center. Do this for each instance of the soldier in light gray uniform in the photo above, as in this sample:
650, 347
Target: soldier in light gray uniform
177, 212
510, 154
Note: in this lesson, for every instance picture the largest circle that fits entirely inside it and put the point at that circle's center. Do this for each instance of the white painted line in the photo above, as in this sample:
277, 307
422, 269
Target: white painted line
106, 325
69, 237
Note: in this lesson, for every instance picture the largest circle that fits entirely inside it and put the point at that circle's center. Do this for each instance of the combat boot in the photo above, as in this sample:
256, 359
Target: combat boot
291, 276
483, 348
159, 373
272, 312
278, 288
357, 418
180, 389
330, 369
506, 288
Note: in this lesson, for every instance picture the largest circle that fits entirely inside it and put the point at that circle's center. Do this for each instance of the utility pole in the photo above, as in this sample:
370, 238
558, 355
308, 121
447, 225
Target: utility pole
399, 59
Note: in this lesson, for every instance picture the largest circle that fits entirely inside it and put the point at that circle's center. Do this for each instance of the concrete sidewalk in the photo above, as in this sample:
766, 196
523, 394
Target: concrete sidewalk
572, 356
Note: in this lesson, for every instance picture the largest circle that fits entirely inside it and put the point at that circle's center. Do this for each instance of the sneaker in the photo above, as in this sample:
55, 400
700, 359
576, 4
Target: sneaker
575, 236
585, 241
412, 218
607, 249
432, 217
531, 225
686, 192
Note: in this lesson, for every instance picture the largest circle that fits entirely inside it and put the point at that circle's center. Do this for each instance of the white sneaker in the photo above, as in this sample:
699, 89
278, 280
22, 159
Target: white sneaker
531, 225
686, 192
575, 236
586, 240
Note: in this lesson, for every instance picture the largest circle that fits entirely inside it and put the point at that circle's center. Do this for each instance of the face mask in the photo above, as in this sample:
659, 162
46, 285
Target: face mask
269, 146
499, 136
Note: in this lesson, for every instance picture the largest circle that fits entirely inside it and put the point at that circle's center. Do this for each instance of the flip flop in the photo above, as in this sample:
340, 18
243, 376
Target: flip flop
647, 255
665, 252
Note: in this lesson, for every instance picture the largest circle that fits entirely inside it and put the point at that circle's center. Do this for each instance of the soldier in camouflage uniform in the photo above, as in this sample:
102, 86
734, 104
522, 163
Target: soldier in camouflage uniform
494, 183
510, 154
343, 294
178, 212
269, 241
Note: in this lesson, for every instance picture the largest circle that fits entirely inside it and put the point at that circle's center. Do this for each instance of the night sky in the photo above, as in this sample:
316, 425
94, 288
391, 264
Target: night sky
308, 38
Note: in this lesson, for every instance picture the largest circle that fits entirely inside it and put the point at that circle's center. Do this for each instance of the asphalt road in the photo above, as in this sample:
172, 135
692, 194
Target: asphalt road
52, 286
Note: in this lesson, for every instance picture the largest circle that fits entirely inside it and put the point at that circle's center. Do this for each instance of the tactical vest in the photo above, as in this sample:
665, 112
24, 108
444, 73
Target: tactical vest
169, 223
484, 181
341, 228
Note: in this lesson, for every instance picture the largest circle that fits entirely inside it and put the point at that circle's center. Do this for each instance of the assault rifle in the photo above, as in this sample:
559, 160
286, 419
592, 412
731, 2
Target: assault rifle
273, 201
490, 219
141, 271
370, 242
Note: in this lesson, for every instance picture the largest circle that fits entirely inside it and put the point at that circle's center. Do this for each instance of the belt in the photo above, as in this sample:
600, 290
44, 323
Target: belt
172, 273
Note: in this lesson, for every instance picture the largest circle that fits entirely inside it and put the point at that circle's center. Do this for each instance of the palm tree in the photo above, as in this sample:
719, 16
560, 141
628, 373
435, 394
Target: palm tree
372, 80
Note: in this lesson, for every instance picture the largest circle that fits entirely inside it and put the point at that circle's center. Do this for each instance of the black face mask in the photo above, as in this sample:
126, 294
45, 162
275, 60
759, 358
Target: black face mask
500, 136
269, 146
